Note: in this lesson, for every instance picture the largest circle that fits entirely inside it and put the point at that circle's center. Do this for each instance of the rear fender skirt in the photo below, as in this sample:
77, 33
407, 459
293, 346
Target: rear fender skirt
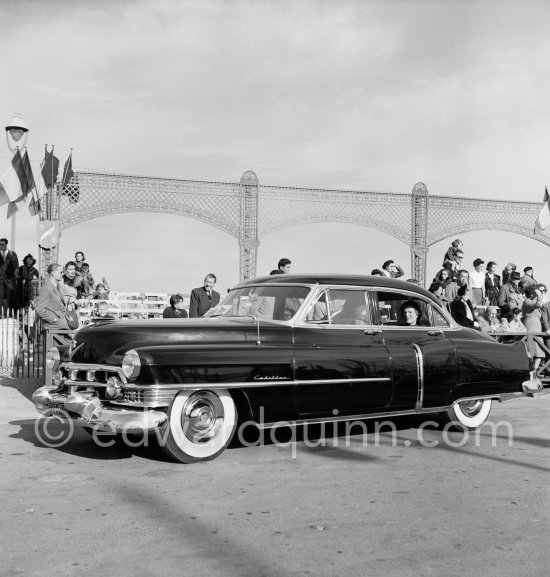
491, 390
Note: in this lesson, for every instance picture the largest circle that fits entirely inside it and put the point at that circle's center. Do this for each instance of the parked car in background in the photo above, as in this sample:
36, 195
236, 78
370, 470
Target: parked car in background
295, 348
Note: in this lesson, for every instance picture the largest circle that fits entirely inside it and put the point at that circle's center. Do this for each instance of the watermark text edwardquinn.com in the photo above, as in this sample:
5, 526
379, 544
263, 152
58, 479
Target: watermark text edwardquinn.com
59, 429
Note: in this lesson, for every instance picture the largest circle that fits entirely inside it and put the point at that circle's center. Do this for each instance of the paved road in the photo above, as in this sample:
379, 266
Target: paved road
397, 507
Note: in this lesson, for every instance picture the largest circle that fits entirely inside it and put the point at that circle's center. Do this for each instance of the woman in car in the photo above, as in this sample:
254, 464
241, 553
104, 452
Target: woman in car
410, 313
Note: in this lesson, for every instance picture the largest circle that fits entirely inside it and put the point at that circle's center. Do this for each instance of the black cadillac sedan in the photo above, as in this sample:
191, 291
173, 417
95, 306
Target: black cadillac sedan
299, 349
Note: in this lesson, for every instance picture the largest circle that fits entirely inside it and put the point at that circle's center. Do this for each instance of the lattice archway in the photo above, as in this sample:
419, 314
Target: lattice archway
457, 230
284, 207
321, 218
91, 196
449, 216
248, 211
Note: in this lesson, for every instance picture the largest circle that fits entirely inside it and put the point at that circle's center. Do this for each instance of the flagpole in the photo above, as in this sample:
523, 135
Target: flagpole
14, 216
12, 240
16, 132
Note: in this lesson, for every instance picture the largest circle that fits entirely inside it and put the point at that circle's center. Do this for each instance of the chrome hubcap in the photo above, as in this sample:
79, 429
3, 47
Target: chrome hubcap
471, 408
202, 417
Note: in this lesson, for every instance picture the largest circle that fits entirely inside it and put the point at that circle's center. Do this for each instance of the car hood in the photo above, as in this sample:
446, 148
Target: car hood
107, 342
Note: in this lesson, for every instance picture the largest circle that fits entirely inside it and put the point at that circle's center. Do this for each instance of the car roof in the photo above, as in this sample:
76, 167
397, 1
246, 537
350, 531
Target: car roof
337, 279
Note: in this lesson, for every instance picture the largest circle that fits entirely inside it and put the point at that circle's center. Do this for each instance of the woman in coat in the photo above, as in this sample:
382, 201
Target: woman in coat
25, 274
531, 310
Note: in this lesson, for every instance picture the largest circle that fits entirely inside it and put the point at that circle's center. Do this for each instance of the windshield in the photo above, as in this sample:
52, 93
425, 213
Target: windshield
278, 303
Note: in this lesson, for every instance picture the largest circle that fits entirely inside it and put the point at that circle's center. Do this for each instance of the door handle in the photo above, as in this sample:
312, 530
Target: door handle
372, 332
435, 333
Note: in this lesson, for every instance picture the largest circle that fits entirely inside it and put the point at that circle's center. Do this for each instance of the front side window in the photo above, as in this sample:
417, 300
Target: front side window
280, 303
339, 307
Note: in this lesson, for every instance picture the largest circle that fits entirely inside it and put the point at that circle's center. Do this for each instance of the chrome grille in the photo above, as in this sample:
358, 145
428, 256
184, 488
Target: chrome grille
147, 397
100, 373
133, 395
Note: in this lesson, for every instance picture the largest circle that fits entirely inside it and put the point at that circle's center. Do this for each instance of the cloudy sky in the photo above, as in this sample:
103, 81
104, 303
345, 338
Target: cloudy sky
363, 95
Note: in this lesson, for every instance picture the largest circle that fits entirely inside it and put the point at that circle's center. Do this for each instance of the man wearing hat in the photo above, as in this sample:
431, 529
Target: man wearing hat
510, 294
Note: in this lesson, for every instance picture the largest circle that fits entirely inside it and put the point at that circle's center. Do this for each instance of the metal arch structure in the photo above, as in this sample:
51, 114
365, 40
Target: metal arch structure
90, 195
249, 211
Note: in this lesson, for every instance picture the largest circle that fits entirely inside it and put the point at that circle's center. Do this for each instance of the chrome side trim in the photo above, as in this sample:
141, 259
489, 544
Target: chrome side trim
263, 384
201, 386
241, 385
428, 410
420, 375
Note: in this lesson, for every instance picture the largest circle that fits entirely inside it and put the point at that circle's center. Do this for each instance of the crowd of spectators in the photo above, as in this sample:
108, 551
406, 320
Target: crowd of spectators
64, 290
481, 298
476, 296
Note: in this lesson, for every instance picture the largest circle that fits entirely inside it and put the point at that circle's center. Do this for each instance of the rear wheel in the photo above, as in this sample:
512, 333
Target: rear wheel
200, 425
469, 414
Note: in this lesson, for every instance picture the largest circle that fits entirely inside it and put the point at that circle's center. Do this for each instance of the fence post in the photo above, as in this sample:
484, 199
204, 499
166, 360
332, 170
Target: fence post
48, 343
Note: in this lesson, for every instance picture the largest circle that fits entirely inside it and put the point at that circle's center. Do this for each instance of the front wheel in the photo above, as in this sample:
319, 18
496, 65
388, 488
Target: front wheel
468, 414
200, 425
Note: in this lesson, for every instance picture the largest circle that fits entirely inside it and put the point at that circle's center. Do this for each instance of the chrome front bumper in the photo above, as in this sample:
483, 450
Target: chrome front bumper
87, 409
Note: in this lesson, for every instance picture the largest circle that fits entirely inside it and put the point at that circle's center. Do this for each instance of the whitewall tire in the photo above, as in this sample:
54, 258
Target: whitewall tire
200, 425
469, 414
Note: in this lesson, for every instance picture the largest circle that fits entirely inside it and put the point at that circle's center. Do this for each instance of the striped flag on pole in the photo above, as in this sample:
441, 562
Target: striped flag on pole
543, 219
13, 184
45, 180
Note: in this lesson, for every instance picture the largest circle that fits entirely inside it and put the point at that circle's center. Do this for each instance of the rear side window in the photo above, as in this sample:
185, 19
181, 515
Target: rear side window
394, 309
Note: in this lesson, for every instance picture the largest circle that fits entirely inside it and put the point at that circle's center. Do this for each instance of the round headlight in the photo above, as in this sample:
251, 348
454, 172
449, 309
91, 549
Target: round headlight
53, 359
113, 386
131, 364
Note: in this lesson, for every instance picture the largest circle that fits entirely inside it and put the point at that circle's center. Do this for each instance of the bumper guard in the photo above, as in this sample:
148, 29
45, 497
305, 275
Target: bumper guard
87, 409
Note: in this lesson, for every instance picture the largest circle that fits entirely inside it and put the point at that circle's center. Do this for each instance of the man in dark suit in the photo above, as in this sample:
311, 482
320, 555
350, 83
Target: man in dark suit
203, 298
9, 265
462, 309
492, 283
